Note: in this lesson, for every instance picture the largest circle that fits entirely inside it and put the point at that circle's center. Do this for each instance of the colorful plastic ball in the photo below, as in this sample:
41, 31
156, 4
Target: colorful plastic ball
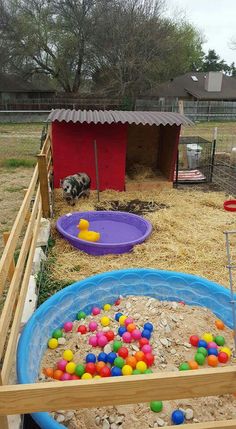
79, 370
111, 357
68, 326
146, 334
156, 406
131, 327
105, 372
92, 326
184, 366
128, 321
116, 372
96, 311
49, 371
70, 367
90, 368
68, 355
117, 316
103, 357
226, 350
212, 351
127, 337
143, 341
81, 315
202, 350
65, 377
142, 366
57, 333
96, 377
127, 370
105, 321
122, 320
148, 371
149, 359
177, 417
207, 337
212, 345
194, 340
123, 352
199, 358
193, 364
146, 348
118, 301
136, 372
99, 365
86, 376
82, 329
109, 335
90, 358
100, 334
220, 341
139, 356
117, 345
107, 307
102, 341
57, 374
219, 324
131, 361
121, 330
136, 334
223, 357
93, 341
202, 343
148, 326
52, 343
119, 362
74, 377
61, 364
212, 360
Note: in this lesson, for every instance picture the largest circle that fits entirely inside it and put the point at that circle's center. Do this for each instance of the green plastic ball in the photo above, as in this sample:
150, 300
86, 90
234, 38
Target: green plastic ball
156, 406
184, 367
148, 371
81, 315
199, 358
119, 362
203, 351
136, 372
79, 370
219, 340
57, 333
117, 345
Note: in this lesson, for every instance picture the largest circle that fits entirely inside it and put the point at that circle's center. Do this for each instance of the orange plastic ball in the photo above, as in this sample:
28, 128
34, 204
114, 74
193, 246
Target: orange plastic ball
48, 372
139, 356
99, 365
57, 374
212, 360
131, 327
131, 361
193, 364
219, 324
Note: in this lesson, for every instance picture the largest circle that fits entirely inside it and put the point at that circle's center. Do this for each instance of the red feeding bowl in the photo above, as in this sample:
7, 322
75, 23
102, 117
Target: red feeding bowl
230, 205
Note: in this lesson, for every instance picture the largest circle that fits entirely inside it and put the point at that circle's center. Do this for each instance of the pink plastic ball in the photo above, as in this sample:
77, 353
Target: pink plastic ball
65, 377
93, 326
136, 334
100, 334
128, 321
102, 341
146, 349
127, 337
212, 345
96, 311
61, 364
93, 341
68, 326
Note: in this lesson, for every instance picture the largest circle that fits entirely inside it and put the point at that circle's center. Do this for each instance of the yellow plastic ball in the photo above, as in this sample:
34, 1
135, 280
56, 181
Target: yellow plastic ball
127, 370
97, 376
52, 343
122, 320
207, 337
106, 307
86, 376
68, 355
105, 321
70, 367
226, 350
141, 365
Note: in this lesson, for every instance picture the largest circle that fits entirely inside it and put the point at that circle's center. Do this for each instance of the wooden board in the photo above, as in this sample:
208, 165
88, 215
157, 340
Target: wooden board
224, 424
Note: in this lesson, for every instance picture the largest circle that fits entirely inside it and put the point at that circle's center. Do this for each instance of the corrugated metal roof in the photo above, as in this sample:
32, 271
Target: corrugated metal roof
116, 116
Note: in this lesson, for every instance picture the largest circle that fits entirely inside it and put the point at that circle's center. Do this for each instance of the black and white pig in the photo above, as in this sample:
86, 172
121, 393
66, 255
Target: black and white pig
75, 186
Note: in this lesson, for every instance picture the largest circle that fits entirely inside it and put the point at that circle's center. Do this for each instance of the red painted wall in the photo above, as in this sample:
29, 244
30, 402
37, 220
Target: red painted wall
73, 151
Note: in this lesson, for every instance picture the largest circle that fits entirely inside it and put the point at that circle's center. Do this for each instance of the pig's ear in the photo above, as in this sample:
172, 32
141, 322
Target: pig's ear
61, 182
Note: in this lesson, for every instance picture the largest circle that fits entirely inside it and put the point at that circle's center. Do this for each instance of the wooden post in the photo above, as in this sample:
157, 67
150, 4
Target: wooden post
12, 264
43, 181
3, 419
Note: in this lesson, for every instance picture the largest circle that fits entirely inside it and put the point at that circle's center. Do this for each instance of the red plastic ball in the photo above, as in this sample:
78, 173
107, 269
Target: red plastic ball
194, 340
105, 372
90, 368
149, 359
223, 357
82, 329
109, 335
143, 341
75, 377
123, 352
118, 301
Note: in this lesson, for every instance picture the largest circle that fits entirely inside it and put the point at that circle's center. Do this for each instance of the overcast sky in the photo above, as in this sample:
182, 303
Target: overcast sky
215, 18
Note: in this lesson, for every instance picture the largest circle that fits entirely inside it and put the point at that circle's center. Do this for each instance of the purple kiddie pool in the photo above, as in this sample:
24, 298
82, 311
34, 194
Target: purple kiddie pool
120, 231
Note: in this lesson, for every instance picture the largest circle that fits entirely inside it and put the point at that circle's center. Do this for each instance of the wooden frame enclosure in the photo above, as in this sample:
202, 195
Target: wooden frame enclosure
20, 399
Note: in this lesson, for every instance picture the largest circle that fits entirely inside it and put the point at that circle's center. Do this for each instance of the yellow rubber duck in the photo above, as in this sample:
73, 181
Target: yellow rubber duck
85, 234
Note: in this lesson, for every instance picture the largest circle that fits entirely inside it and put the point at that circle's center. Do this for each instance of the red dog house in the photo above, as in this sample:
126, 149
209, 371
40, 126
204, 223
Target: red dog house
122, 139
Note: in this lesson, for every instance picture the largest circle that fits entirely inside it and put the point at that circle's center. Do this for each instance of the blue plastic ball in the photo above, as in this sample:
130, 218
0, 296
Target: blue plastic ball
121, 330
177, 417
146, 334
212, 351
117, 316
148, 326
90, 358
115, 371
202, 343
103, 357
111, 357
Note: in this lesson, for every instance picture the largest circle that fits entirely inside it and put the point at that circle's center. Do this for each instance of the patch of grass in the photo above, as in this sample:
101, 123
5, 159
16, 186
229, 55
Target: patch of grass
16, 163
14, 189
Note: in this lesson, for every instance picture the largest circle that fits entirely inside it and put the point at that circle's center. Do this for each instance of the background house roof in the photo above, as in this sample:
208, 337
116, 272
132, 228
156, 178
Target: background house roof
14, 83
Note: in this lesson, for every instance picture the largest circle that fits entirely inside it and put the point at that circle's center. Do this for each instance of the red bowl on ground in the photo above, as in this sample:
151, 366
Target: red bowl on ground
230, 205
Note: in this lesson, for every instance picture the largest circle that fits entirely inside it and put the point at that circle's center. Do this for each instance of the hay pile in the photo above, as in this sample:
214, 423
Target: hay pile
187, 236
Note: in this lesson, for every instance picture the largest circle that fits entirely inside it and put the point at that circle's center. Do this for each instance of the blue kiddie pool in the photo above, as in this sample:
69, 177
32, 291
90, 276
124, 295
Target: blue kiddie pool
103, 288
